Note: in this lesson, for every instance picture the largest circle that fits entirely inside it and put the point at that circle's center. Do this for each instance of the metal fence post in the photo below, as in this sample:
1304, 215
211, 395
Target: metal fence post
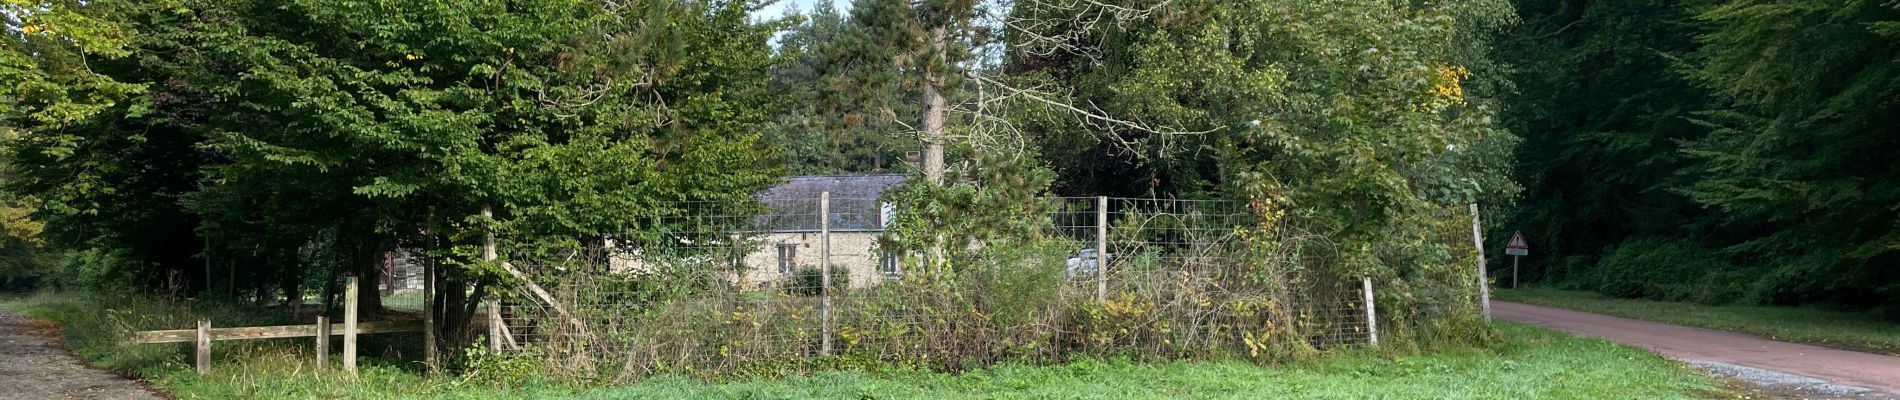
1372, 313
1484, 283
824, 271
1101, 248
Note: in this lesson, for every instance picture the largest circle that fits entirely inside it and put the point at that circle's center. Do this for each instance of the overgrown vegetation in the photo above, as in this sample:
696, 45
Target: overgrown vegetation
1003, 293
1813, 324
256, 151
1716, 151
1528, 363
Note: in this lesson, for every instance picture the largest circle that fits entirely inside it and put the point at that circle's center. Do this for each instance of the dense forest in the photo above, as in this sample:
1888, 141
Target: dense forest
1713, 151
1709, 151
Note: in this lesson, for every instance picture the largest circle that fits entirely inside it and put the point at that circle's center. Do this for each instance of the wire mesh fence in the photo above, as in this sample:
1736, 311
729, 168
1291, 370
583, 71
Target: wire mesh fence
812, 279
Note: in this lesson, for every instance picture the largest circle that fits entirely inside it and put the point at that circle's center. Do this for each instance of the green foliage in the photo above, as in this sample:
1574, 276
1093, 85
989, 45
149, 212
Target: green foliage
1668, 270
106, 270
271, 145
998, 204
809, 281
837, 112
44, 58
519, 369
1793, 165
1602, 103
1362, 128
1744, 132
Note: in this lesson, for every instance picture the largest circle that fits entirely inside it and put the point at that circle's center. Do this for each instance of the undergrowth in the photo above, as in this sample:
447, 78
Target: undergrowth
1522, 362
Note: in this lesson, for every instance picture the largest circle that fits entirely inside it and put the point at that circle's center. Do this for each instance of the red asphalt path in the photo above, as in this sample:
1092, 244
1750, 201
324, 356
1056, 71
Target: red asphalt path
1843, 367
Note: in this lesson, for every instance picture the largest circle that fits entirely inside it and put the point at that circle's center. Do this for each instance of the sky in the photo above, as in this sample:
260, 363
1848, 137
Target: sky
778, 9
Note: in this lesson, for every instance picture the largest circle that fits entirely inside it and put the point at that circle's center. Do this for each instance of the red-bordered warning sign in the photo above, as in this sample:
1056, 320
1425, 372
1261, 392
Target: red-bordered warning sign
1517, 241
1517, 246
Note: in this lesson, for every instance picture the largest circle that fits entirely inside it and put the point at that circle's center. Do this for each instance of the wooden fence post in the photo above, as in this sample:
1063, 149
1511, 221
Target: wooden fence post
1372, 313
323, 342
204, 346
824, 271
349, 325
429, 357
1101, 248
1484, 283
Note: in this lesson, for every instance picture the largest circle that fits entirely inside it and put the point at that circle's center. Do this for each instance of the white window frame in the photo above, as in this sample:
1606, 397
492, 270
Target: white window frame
787, 258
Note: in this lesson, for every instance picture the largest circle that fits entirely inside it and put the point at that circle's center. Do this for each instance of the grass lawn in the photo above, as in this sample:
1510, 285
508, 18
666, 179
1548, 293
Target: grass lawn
1529, 363
1796, 324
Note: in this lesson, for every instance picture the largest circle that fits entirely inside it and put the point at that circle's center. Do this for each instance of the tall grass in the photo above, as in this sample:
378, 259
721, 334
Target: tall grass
1526, 363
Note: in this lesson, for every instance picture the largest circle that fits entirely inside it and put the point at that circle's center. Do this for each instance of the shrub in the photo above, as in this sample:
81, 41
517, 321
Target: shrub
809, 281
107, 271
1671, 270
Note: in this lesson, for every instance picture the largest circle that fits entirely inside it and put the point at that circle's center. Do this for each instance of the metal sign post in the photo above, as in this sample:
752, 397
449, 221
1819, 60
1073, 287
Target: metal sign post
1517, 248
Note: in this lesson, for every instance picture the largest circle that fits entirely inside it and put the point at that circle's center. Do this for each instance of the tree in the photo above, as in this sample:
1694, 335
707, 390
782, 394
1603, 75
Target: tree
831, 119
1733, 144
1797, 167
92, 169
1353, 118
1602, 103
296, 141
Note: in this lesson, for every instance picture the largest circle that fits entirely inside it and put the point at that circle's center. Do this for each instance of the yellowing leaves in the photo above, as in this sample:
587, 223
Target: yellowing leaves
1448, 83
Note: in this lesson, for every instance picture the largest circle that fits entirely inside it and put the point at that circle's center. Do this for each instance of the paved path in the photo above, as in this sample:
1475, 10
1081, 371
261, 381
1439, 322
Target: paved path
1709, 347
34, 365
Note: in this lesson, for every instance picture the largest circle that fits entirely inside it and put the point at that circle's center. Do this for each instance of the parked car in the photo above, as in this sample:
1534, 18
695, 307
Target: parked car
1083, 262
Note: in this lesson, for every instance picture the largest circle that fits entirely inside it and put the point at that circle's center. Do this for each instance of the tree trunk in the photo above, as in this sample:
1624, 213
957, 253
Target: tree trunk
364, 255
291, 281
388, 281
934, 108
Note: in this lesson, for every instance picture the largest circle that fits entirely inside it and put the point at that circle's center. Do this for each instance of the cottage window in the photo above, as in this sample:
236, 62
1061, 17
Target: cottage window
787, 252
887, 263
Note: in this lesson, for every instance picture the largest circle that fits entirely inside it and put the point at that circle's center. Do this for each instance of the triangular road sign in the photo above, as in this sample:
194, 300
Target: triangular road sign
1517, 241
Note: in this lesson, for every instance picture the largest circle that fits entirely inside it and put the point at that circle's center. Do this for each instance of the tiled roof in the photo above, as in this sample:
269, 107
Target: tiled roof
792, 205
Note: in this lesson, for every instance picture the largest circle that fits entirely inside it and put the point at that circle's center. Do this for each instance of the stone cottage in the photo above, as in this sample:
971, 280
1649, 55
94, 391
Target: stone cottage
788, 235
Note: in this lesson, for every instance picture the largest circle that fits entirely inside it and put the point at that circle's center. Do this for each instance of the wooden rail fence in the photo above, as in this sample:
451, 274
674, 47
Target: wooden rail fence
322, 331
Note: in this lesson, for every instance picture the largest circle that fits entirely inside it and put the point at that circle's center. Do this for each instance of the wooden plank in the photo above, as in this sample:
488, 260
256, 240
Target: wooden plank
494, 326
508, 338
165, 336
323, 342
349, 325
271, 332
204, 346
488, 254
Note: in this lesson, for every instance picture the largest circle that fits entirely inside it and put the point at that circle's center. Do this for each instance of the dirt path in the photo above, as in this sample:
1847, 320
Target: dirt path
34, 365
1746, 356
